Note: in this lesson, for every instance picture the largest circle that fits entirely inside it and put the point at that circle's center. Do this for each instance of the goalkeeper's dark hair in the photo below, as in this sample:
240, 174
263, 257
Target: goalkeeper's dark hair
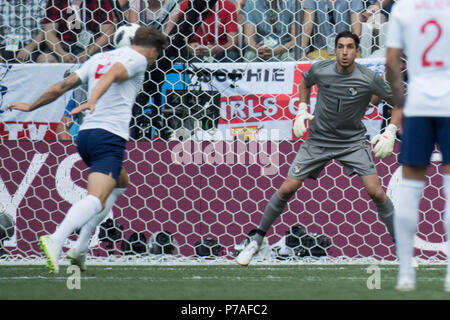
347, 34
148, 36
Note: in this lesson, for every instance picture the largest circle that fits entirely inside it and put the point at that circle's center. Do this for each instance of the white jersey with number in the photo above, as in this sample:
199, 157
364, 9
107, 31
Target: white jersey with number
421, 28
113, 110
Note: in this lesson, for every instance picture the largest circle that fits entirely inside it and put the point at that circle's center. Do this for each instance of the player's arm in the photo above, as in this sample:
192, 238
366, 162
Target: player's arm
50, 95
384, 142
303, 114
304, 92
117, 73
394, 75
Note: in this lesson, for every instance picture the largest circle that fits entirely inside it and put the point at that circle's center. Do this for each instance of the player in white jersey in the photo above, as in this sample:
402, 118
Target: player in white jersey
114, 79
420, 30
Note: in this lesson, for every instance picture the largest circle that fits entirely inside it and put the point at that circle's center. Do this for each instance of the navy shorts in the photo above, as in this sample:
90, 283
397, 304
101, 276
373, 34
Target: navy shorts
102, 151
419, 138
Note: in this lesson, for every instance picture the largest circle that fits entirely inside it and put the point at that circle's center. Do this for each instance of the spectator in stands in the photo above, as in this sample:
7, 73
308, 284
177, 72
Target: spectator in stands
240, 15
214, 38
323, 19
375, 6
76, 29
151, 12
269, 30
21, 30
120, 9
374, 27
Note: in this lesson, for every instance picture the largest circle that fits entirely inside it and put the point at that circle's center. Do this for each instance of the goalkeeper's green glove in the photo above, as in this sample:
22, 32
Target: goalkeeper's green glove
300, 118
384, 142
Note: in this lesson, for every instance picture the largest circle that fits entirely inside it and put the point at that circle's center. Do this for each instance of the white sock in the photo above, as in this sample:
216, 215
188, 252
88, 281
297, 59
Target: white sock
87, 230
447, 218
405, 223
80, 213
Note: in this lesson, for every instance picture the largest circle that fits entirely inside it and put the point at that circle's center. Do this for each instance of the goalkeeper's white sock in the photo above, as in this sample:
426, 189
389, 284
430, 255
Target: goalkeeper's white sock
80, 213
405, 223
87, 230
447, 218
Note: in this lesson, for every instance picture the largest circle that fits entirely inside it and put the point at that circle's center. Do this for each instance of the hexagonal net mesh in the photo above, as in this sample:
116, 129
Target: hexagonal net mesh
211, 135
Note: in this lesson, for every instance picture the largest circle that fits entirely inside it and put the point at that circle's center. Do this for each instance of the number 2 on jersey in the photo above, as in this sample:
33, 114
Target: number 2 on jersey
425, 61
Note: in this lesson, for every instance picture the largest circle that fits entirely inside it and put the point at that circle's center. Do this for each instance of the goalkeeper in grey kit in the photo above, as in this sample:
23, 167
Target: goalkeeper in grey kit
336, 131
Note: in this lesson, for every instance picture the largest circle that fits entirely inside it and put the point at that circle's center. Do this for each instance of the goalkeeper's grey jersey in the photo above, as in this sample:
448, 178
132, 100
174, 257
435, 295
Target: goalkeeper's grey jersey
342, 100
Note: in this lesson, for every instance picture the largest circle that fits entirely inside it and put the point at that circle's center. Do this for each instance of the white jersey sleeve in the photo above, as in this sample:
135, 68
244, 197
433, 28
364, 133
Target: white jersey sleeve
83, 71
395, 38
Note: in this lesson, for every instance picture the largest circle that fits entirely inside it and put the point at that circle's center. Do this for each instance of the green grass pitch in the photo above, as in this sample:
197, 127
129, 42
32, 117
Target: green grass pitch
218, 282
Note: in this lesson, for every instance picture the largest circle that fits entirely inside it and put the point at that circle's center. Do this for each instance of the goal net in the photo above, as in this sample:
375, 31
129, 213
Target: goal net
211, 141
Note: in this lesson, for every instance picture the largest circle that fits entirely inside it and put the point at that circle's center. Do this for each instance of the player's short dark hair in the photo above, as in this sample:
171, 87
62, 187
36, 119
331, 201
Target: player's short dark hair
347, 34
148, 36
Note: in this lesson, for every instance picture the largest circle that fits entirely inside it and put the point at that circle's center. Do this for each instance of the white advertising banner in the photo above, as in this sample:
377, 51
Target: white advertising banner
25, 83
257, 100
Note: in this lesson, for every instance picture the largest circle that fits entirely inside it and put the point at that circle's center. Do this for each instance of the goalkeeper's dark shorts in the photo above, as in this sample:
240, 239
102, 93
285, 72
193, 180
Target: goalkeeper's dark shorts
102, 151
421, 136
312, 159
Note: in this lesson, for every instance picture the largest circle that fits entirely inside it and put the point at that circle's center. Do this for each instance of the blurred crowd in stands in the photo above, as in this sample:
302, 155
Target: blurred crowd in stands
201, 30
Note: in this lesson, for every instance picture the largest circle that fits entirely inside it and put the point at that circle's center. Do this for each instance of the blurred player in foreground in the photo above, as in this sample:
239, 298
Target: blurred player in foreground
114, 79
345, 89
420, 29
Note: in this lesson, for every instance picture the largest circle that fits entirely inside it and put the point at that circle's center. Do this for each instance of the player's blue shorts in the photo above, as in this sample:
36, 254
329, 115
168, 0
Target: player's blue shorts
102, 151
420, 135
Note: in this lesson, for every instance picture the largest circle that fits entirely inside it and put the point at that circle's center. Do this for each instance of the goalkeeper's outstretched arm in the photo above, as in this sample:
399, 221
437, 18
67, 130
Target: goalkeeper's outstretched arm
50, 95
